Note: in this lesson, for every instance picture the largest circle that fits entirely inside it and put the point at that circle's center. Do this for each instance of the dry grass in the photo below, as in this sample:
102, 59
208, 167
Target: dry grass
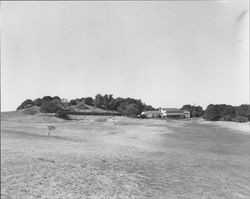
118, 157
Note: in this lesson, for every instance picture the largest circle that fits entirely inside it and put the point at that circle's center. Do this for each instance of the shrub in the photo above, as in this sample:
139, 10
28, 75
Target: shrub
95, 113
240, 119
226, 118
62, 115
31, 111
81, 106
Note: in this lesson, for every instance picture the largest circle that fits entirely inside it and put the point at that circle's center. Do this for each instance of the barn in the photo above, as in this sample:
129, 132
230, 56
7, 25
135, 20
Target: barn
174, 113
167, 113
151, 114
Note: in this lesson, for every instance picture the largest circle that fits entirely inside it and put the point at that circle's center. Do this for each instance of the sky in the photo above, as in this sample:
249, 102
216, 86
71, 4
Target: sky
166, 53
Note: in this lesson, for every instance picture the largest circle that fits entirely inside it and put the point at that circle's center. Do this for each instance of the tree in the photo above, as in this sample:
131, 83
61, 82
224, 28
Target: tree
56, 97
226, 112
46, 99
211, 113
129, 109
38, 102
195, 111
148, 108
65, 101
26, 104
73, 102
105, 100
243, 110
240, 118
115, 103
133, 109
52, 106
89, 101
98, 102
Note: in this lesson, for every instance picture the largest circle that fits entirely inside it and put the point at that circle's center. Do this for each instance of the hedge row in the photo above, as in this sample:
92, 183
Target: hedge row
94, 113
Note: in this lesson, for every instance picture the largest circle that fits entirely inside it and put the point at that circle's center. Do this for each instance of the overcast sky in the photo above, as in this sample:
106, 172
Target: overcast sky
166, 53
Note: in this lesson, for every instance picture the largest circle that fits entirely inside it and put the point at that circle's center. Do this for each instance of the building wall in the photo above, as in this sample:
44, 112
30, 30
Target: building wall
187, 114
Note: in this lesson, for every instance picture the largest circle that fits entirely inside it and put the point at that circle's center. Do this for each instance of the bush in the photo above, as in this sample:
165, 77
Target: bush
81, 106
63, 115
240, 119
226, 118
95, 113
31, 111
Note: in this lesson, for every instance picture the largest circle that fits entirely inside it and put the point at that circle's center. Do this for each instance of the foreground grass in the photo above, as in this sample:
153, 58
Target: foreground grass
117, 157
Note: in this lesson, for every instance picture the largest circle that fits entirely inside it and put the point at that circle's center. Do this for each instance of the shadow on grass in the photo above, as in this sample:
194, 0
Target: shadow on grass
27, 135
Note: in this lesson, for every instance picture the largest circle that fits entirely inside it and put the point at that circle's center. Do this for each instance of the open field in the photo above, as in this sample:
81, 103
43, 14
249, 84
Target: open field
118, 157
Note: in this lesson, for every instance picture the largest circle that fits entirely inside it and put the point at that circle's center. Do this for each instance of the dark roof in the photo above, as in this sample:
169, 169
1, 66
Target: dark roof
151, 112
174, 113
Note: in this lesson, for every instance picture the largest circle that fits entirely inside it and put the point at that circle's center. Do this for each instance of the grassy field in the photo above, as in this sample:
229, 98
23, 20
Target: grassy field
118, 157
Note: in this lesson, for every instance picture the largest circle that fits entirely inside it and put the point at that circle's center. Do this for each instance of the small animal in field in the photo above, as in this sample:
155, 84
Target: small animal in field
50, 129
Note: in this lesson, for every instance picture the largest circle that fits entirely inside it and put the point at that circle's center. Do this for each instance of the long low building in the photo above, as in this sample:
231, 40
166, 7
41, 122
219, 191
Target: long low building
167, 113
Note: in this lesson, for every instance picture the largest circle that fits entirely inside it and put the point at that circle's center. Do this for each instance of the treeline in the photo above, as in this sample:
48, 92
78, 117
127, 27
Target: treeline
124, 106
195, 111
119, 104
47, 104
131, 106
225, 112
220, 112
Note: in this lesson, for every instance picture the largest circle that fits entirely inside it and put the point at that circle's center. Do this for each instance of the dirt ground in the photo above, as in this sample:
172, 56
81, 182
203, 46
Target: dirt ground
118, 157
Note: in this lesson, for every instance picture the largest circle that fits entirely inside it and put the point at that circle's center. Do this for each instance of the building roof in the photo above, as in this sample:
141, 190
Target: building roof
175, 113
172, 110
151, 112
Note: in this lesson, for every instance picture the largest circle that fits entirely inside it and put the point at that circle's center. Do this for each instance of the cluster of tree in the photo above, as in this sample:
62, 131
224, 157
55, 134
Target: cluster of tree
47, 104
87, 100
125, 106
37, 102
195, 111
228, 113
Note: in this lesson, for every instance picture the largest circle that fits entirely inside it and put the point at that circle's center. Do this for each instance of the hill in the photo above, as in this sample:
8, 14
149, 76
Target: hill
101, 104
120, 157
